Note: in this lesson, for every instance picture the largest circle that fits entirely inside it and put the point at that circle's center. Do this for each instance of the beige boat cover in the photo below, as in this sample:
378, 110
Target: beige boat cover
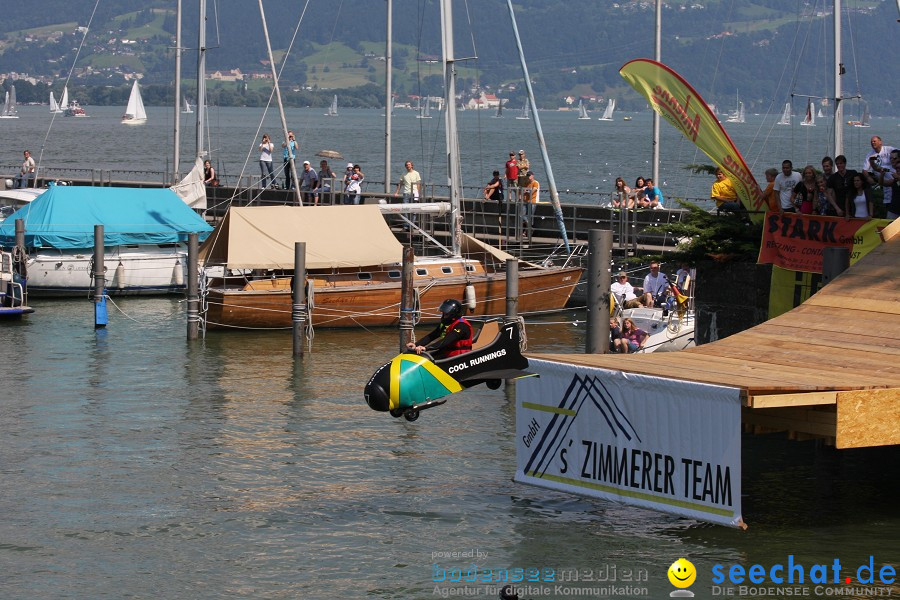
263, 237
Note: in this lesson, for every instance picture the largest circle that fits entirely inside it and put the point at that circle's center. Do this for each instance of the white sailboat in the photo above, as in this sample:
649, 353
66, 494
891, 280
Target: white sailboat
608, 111
864, 119
821, 113
525, 115
64, 100
187, 110
786, 115
424, 110
332, 110
54, 105
810, 119
738, 115
134, 112
9, 104
582, 111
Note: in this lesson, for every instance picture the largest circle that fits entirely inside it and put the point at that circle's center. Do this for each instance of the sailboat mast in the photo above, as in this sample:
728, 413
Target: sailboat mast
554, 194
292, 165
176, 157
201, 79
454, 173
658, 57
388, 97
838, 72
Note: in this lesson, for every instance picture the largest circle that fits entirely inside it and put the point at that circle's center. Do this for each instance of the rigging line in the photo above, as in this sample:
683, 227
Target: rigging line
477, 87
87, 29
852, 48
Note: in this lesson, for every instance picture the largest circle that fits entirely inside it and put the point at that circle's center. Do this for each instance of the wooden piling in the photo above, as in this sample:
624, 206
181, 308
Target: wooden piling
407, 299
835, 260
193, 287
299, 307
598, 281
101, 317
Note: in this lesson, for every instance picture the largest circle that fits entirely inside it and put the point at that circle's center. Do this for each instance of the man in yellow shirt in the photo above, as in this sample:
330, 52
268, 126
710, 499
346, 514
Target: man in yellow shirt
723, 193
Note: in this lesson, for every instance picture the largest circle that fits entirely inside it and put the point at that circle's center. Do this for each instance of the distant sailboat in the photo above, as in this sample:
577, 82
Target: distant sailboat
810, 119
738, 115
9, 104
821, 113
64, 101
864, 119
187, 110
608, 112
582, 111
332, 110
525, 113
786, 115
499, 114
134, 112
424, 110
54, 105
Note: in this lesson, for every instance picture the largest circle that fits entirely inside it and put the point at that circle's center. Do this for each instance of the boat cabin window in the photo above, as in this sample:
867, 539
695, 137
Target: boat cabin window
364, 276
446, 269
394, 274
470, 268
422, 272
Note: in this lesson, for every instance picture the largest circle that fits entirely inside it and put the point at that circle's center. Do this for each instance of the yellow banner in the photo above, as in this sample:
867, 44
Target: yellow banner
679, 104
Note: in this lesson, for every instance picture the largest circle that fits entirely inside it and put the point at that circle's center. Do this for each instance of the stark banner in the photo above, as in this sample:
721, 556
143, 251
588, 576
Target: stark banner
672, 446
680, 104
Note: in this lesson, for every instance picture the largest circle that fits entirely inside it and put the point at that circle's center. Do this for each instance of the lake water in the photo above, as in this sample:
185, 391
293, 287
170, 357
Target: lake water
135, 464
586, 156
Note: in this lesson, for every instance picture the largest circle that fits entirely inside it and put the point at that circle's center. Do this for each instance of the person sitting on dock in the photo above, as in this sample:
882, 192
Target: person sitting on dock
621, 194
624, 291
26, 174
633, 337
656, 287
723, 193
209, 175
653, 197
452, 336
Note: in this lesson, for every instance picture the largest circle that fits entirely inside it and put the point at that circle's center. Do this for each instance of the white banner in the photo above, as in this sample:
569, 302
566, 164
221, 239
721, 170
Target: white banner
672, 446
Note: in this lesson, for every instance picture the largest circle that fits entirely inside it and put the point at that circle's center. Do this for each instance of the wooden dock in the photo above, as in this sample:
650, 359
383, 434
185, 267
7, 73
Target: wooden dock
829, 369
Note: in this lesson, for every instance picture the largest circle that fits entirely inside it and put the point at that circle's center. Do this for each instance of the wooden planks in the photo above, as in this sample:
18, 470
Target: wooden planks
868, 418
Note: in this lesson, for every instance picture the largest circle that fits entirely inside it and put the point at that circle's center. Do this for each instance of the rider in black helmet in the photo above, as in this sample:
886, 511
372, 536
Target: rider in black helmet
452, 336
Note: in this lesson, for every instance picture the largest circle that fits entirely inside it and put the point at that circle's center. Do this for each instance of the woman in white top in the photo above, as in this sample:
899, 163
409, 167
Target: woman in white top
265, 161
621, 196
858, 202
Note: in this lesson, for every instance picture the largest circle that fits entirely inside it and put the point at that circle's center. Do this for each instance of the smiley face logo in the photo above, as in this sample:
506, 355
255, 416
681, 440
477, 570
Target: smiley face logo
682, 573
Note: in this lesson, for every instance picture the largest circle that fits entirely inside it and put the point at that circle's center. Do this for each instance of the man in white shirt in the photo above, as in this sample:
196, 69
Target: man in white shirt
26, 173
656, 287
878, 161
785, 182
624, 291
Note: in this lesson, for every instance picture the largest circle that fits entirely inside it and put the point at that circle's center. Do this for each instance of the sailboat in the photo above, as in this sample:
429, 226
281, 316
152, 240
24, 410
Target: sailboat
499, 114
863, 120
187, 110
54, 105
332, 110
424, 110
352, 260
608, 111
134, 112
738, 115
64, 100
524, 115
582, 111
786, 115
810, 119
9, 104
821, 113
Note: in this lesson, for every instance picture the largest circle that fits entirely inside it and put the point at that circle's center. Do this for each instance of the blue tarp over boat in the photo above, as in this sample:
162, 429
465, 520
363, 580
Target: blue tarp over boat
63, 217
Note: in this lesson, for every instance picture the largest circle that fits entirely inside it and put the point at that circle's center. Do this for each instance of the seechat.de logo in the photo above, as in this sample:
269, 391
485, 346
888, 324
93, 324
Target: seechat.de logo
682, 575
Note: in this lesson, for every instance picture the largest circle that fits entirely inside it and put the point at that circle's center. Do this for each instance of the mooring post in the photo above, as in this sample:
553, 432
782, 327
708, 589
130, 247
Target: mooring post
193, 287
101, 317
512, 289
835, 260
407, 299
299, 307
599, 250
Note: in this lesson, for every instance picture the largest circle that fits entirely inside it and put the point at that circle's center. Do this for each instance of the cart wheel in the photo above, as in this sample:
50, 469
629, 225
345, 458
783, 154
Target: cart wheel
411, 415
493, 384
396, 412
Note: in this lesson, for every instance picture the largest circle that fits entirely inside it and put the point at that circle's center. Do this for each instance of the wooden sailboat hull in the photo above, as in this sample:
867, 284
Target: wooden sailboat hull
377, 305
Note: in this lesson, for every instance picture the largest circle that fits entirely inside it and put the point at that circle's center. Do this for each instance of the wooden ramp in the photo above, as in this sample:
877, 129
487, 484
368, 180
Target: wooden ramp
828, 369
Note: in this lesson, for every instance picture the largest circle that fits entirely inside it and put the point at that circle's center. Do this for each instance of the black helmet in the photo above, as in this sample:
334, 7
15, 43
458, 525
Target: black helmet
451, 310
